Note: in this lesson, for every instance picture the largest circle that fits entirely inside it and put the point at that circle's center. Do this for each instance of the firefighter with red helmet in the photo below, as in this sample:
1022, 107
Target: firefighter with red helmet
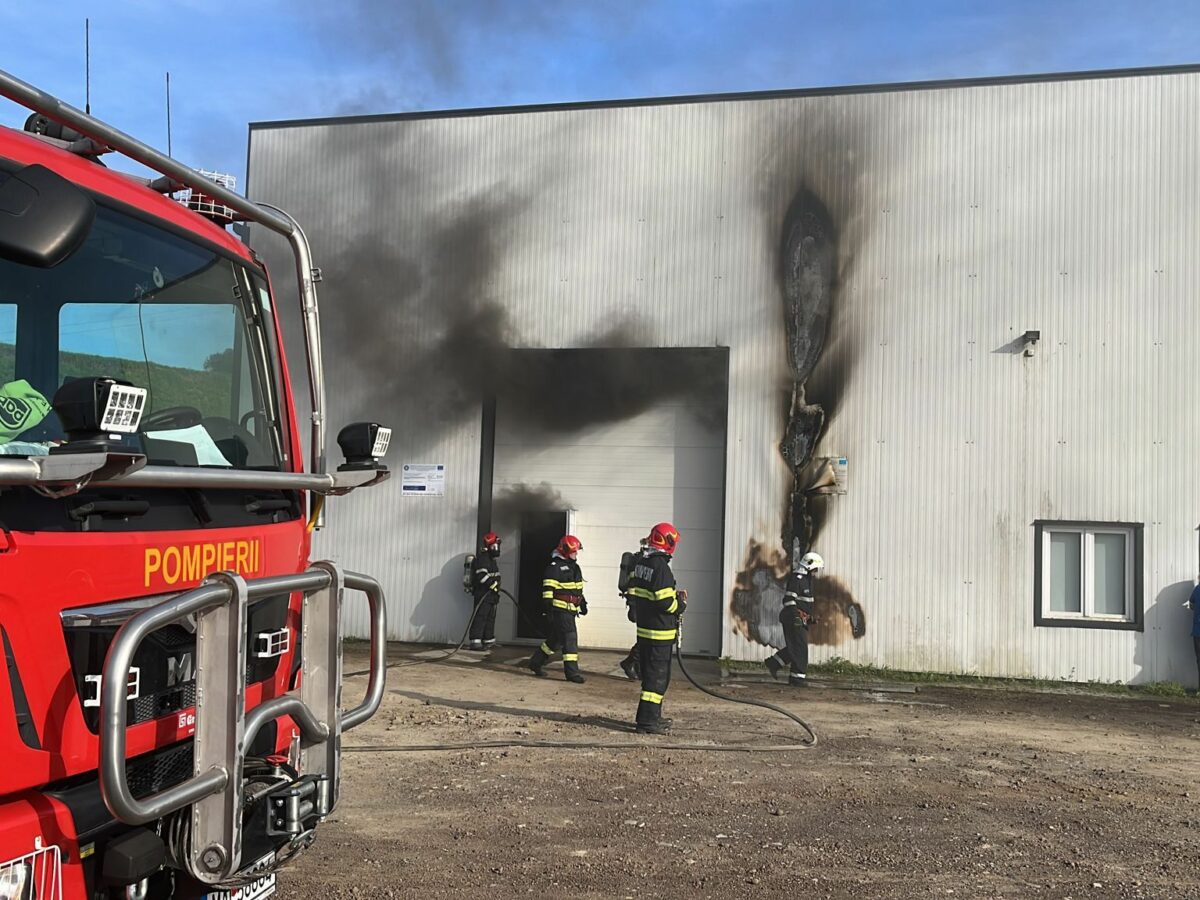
659, 606
562, 593
485, 587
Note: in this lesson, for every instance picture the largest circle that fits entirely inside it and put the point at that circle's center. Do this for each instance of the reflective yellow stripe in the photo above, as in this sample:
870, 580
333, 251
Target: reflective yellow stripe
570, 657
664, 594
545, 648
644, 593
551, 583
674, 605
656, 635
651, 697
563, 604
547, 595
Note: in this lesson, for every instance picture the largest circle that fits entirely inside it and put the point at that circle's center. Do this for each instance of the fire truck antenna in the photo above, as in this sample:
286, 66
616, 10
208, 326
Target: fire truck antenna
87, 66
168, 114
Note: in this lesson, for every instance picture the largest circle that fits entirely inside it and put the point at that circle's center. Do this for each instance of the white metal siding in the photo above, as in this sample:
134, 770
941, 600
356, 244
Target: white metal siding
968, 215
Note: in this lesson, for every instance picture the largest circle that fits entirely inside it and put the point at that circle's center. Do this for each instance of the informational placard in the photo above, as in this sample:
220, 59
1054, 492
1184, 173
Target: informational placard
423, 479
841, 472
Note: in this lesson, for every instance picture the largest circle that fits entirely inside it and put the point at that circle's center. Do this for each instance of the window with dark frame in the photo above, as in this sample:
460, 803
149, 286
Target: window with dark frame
1088, 575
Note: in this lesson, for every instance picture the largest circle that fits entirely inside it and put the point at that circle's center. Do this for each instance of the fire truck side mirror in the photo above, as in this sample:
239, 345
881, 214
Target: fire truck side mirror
44, 218
364, 445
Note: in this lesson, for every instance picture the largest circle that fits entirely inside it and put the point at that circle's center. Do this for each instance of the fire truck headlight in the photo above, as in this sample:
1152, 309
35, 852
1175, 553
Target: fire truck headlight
363, 444
16, 881
93, 410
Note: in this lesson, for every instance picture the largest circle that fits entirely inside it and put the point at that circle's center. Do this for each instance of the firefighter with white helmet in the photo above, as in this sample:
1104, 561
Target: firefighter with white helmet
795, 617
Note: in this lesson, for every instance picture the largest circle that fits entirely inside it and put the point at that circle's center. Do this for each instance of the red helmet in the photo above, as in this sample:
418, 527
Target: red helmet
664, 536
569, 546
490, 539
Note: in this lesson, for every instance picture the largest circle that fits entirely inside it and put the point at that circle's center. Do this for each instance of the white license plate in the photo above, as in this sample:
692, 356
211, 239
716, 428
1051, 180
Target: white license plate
255, 890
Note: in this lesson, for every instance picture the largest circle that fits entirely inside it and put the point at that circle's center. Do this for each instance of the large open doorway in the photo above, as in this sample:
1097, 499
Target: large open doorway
539, 534
622, 453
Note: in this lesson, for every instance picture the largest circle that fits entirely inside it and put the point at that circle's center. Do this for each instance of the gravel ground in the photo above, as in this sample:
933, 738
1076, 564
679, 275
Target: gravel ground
941, 793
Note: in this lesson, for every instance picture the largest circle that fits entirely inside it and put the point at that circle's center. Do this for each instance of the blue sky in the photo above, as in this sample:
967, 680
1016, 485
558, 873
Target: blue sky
233, 63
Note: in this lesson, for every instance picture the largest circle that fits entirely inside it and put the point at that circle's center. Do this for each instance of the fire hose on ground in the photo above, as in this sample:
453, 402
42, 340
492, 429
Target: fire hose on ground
592, 745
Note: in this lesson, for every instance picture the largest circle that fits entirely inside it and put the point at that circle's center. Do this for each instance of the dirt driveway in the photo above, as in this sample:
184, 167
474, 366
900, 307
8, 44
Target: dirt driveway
942, 793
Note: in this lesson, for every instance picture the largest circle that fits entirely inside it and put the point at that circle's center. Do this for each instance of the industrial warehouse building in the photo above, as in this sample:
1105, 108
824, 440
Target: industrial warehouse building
942, 333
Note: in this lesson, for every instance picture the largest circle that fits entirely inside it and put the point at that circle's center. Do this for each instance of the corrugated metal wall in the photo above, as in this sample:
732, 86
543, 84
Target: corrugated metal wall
967, 215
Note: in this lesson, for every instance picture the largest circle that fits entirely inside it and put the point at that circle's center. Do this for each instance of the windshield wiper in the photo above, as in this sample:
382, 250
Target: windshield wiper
108, 509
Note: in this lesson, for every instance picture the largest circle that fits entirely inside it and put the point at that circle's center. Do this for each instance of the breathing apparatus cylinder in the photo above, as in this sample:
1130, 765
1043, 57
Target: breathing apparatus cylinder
468, 562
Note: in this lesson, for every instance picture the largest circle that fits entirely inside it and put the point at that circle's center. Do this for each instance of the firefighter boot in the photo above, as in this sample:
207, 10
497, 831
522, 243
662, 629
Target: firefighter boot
629, 665
540, 657
662, 726
571, 668
774, 665
798, 680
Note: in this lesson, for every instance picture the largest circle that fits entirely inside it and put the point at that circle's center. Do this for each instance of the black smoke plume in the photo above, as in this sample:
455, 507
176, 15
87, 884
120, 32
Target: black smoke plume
509, 503
571, 390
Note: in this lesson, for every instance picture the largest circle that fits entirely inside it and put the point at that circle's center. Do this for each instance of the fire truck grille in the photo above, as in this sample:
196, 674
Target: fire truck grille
158, 771
160, 703
162, 679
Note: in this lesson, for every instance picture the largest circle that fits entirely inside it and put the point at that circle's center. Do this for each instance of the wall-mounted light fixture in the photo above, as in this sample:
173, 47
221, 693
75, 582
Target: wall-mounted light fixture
1029, 340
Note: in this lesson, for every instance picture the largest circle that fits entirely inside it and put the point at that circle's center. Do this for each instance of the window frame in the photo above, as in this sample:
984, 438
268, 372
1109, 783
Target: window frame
16, 318
1134, 618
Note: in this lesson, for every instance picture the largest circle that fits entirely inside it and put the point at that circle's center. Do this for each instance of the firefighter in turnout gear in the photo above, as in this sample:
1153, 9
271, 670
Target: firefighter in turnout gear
659, 606
485, 587
795, 617
630, 665
562, 593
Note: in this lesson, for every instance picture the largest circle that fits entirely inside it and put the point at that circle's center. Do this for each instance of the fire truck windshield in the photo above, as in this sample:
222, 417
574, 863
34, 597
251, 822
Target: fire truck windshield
145, 305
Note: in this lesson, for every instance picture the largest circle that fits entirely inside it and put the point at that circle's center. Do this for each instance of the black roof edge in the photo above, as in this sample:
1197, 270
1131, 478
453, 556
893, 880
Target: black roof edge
886, 88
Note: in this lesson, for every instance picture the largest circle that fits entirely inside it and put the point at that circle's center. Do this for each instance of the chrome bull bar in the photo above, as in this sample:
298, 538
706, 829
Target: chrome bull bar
224, 730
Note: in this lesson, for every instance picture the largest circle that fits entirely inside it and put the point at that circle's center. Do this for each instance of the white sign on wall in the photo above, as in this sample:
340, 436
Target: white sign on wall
423, 479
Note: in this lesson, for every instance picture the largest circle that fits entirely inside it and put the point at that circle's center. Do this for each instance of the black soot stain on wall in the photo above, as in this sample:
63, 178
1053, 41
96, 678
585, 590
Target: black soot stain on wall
808, 279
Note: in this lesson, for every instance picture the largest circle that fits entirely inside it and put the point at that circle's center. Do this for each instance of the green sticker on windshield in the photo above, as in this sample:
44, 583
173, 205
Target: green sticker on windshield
21, 407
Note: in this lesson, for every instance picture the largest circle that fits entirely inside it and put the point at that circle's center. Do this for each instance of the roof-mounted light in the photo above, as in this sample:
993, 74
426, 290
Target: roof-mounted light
364, 444
96, 413
207, 206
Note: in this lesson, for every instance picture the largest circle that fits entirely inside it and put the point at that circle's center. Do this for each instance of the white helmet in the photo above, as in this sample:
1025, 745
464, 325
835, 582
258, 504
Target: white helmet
812, 561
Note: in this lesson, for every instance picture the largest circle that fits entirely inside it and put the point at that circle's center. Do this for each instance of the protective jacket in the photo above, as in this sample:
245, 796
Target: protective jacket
658, 604
562, 585
485, 579
798, 592
562, 592
659, 607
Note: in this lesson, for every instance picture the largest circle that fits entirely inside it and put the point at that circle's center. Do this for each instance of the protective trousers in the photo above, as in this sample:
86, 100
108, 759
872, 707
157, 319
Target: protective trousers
795, 638
564, 637
654, 658
1196, 647
483, 626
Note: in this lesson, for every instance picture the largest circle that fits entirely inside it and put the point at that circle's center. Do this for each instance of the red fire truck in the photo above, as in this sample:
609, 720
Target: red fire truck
170, 678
